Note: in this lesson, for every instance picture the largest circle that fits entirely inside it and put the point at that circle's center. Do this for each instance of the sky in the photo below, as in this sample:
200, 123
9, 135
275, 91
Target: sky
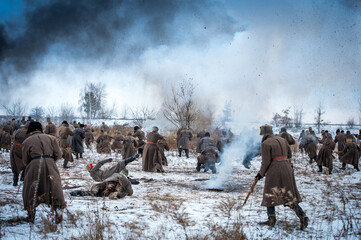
263, 56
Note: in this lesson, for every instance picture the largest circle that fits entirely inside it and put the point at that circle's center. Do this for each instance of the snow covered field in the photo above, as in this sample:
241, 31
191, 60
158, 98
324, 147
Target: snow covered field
177, 205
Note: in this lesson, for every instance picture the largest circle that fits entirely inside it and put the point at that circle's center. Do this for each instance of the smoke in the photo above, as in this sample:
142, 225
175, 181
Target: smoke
234, 155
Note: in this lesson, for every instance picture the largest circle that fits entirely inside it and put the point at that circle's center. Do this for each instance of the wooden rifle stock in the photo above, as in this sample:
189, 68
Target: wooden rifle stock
250, 191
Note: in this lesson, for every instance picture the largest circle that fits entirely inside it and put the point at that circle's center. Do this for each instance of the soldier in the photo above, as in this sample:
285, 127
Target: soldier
301, 140
152, 159
223, 140
63, 133
209, 153
115, 187
6, 136
129, 146
311, 147
139, 135
117, 145
340, 139
284, 134
77, 141
16, 159
163, 145
42, 183
103, 143
280, 185
350, 154
350, 136
311, 131
50, 128
325, 157
104, 127
99, 175
89, 137
201, 134
184, 137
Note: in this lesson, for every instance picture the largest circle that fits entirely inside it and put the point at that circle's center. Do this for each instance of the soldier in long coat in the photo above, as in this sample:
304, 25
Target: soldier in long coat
340, 139
77, 141
63, 133
115, 187
311, 147
50, 128
99, 175
103, 143
209, 152
6, 137
129, 146
117, 144
325, 157
284, 134
140, 136
184, 136
16, 156
280, 185
350, 154
89, 137
152, 159
163, 145
42, 179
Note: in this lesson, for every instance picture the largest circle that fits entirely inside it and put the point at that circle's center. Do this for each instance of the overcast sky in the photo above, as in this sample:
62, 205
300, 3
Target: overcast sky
262, 55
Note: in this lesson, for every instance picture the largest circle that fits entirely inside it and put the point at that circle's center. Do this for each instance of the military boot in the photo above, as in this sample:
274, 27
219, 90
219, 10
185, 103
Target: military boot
198, 168
319, 169
77, 156
270, 222
180, 152
15, 179
357, 169
81, 155
302, 216
343, 166
31, 215
58, 216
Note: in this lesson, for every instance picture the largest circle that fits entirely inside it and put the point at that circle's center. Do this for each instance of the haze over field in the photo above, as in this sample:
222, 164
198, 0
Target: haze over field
260, 56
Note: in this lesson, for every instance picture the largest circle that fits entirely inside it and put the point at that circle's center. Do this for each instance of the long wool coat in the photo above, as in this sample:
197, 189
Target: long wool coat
77, 141
50, 129
16, 155
117, 144
311, 146
63, 133
115, 187
163, 145
129, 147
140, 135
103, 144
351, 154
99, 175
340, 138
288, 137
325, 157
152, 158
204, 143
48, 183
184, 138
280, 184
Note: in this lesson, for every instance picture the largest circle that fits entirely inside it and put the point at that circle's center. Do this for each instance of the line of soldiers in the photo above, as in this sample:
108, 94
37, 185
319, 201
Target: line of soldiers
349, 150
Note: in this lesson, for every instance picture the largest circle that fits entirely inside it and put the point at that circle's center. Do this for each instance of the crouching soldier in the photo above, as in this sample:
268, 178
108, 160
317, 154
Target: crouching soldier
116, 186
280, 185
350, 154
208, 159
99, 175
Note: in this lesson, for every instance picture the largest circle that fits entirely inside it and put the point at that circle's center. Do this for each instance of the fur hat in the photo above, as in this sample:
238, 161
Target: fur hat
265, 129
34, 126
207, 134
155, 129
65, 122
283, 129
136, 128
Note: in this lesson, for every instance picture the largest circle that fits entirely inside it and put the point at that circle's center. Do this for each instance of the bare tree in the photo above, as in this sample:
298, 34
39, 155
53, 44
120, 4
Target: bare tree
298, 116
92, 100
226, 114
276, 119
37, 112
359, 109
66, 112
15, 110
106, 113
142, 114
125, 111
180, 108
286, 120
51, 112
351, 123
320, 111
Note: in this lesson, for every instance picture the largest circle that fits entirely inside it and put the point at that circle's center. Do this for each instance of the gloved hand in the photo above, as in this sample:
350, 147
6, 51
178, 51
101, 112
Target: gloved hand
258, 176
137, 156
110, 159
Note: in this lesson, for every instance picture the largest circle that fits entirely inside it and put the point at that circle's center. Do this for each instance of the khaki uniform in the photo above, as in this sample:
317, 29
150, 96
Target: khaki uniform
152, 158
63, 133
129, 147
163, 145
16, 157
117, 144
50, 129
325, 157
103, 144
99, 175
115, 187
351, 154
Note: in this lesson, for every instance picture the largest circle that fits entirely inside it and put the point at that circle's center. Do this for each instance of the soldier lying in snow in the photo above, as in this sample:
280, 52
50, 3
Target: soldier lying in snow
115, 187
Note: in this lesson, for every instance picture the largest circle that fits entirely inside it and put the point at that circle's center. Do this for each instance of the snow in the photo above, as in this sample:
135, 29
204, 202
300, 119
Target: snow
160, 207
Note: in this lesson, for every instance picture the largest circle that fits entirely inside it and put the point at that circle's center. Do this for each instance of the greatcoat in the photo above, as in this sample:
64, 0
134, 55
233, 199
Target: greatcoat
152, 158
16, 155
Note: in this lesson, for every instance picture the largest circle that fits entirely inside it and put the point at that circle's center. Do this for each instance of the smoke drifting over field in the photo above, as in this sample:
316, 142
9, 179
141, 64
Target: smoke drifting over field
263, 57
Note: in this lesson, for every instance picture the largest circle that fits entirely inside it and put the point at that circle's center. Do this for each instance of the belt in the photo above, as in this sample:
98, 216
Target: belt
278, 158
17, 144
42, 156
152, 143
62, 138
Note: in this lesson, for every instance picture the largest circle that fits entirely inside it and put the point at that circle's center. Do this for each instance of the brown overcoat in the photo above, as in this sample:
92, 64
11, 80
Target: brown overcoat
117, 144
103, 144
140, 135
129, 147
63, 133
152, 159
288, 137
163, 145
16, 155
311, 146
204, 143
115, 187
48, 183
340, 138
325, 157
185, 136
280, 184
50, 129
99, 175
351, 154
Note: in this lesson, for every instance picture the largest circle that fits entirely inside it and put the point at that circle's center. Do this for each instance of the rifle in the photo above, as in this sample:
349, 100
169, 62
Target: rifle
250, 191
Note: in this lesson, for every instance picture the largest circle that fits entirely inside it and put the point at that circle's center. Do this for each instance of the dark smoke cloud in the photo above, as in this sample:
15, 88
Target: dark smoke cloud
97, 30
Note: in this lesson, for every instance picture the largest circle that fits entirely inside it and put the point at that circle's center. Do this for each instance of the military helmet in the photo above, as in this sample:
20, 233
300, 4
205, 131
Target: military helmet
265, 129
